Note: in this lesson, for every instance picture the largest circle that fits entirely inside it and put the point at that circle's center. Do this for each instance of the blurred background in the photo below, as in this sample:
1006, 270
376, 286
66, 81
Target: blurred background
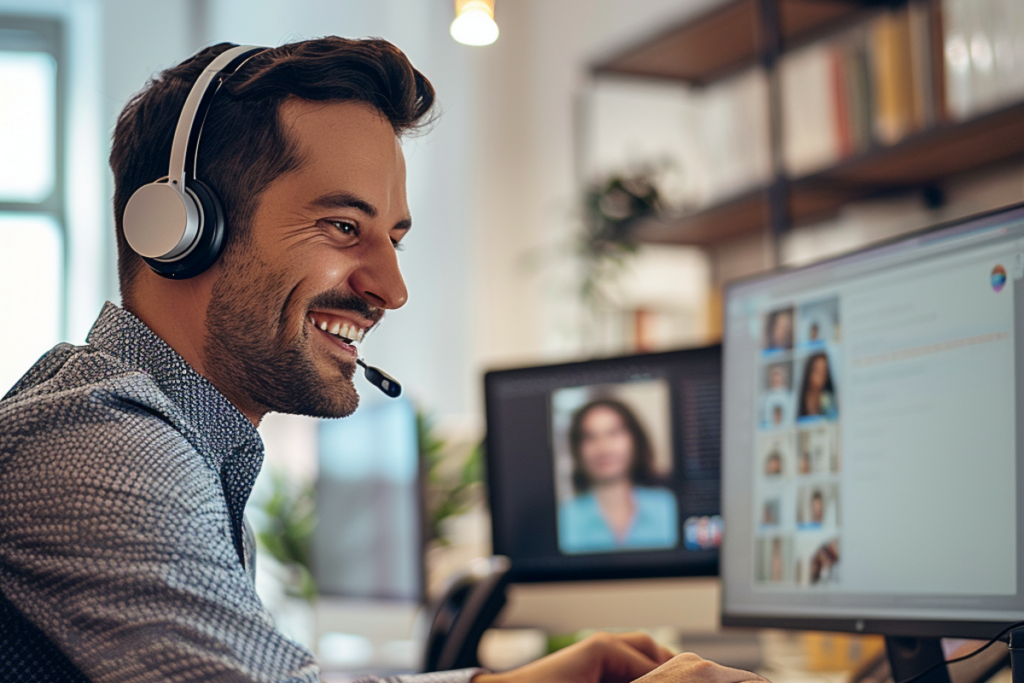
598, 172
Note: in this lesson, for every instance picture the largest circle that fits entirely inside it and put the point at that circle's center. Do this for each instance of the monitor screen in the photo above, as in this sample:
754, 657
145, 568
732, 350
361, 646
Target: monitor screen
367, 542
607, 468
871, 437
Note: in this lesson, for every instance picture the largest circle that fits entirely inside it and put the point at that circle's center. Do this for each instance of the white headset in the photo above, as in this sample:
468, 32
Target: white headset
176, 223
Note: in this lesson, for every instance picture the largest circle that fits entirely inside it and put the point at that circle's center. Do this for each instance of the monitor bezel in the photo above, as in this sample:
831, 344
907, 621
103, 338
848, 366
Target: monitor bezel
533, 574
889, 626
904, 628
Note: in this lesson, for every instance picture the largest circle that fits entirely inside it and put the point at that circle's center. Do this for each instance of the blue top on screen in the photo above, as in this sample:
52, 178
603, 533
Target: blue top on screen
582, 529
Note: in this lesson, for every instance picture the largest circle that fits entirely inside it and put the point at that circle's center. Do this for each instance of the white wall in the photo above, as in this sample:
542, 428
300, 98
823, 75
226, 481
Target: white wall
525, 163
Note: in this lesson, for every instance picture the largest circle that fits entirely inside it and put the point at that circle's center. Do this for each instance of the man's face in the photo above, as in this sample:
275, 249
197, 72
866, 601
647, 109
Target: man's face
320, 252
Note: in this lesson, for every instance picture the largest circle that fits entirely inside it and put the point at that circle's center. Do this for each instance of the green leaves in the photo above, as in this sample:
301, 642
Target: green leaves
452, 481
290, 519
611, 210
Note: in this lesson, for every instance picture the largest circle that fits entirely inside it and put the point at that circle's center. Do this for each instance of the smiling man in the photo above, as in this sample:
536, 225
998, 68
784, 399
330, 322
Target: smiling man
125, 464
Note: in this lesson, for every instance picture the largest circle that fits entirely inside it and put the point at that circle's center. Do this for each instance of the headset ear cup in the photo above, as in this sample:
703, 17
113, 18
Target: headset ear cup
209, 243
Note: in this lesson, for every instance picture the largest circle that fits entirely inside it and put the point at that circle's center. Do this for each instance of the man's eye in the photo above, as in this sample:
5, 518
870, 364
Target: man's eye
397, 245
344, 227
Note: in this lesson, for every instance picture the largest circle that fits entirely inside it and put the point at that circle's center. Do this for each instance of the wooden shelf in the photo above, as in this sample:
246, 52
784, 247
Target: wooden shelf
933, 155
743, 216
923, 159
726, 40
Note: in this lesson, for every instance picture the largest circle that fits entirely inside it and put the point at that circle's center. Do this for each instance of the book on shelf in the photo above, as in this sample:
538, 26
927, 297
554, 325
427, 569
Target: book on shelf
809, 111
732, 135
872, 85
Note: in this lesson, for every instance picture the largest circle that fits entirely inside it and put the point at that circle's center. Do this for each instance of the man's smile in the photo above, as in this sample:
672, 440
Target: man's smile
342, 331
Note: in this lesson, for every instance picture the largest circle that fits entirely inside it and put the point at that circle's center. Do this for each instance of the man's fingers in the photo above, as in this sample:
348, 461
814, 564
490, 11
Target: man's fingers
692, 669
716, 673
622, 661
643, 642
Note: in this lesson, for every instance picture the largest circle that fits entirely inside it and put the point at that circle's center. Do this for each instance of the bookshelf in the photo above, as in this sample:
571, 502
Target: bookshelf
919, 160
744, 33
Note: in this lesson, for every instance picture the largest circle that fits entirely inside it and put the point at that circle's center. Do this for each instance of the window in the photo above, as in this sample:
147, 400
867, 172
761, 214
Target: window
32, 214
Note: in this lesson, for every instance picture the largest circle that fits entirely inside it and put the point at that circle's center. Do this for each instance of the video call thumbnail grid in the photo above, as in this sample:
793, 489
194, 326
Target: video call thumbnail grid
798, 487
633, 473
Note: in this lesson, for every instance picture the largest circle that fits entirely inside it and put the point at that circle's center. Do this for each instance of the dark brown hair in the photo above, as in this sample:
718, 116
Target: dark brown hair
641, 471
806, 384
244, 147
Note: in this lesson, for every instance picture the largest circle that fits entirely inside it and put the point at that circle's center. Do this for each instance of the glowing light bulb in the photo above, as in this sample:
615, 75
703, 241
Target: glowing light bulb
474, 22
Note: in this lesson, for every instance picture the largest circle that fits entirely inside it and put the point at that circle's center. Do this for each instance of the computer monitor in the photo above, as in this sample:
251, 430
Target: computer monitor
872, 438
607, 468
368, 540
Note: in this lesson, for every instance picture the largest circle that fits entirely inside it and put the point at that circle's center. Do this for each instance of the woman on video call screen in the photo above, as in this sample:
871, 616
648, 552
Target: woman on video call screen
617, 499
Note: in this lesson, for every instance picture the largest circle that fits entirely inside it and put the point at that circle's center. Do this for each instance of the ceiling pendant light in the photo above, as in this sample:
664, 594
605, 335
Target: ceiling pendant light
474, 22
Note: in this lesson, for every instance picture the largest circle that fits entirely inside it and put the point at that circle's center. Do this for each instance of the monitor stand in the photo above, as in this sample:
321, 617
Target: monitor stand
910, 656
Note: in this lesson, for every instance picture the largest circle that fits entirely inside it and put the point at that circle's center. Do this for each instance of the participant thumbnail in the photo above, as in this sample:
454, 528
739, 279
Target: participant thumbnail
817, 560
771, 512
774, 559
778, 411
776, 455
778, 377
817, 449
777, 395
817, 506
612, 446
818, 397
778, 330
702, 533
818, 323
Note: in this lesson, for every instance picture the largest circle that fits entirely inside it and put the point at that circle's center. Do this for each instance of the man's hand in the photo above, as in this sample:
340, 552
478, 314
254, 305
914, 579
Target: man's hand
606, 658
689, 668
601, 658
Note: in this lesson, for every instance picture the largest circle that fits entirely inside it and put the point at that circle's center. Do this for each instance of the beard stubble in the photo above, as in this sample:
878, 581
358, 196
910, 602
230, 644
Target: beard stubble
250, 348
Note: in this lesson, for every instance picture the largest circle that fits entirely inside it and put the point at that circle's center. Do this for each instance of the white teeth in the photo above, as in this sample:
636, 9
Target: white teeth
346, 331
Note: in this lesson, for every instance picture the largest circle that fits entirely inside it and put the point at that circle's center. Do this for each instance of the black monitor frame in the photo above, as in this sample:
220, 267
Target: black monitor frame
624, 565
893, 628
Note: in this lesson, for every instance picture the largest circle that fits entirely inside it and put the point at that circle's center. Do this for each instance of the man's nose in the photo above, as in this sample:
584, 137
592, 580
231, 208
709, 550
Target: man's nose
378, 279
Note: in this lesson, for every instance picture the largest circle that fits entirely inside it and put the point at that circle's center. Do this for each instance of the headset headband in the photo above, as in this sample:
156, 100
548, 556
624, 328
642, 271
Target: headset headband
185, 149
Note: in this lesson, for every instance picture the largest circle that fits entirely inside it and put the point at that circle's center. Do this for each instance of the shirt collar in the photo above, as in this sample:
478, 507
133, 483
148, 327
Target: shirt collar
210, 422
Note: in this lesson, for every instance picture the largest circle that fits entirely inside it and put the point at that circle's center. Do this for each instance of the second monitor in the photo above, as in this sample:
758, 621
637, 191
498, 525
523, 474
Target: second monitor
607, 468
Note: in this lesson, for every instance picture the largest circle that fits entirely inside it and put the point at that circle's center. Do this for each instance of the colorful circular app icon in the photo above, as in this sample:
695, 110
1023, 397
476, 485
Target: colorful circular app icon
998, 278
